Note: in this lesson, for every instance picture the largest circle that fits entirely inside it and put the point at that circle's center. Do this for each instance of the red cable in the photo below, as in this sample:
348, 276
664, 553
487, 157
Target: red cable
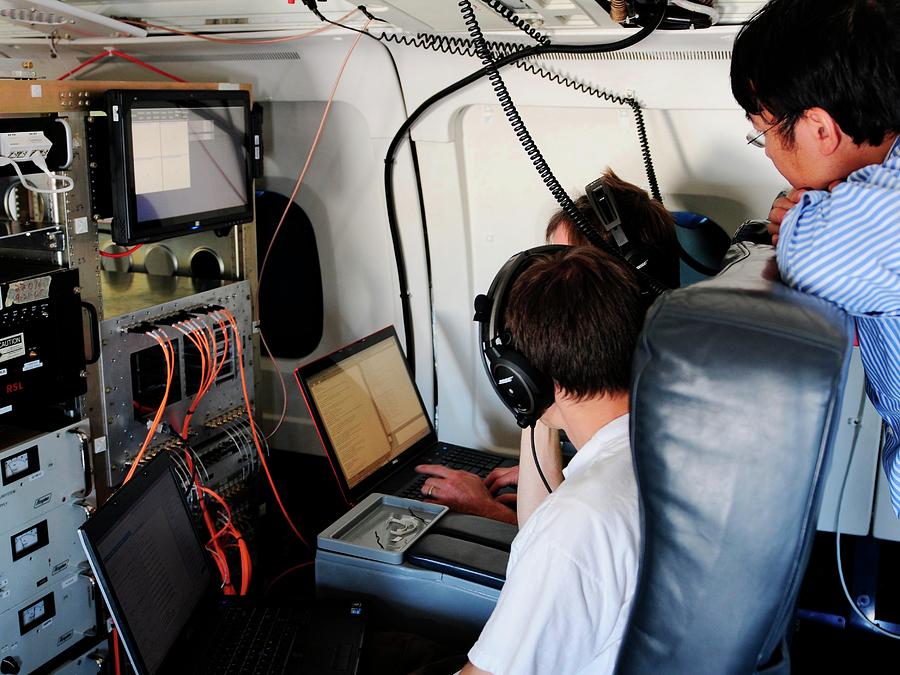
144, 64
116, 660
121, 55
286, 572
122, 254
85, 64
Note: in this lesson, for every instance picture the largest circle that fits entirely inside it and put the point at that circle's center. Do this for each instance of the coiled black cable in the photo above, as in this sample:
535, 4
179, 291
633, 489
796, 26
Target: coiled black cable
458, 46
534, 153
645, 149
511, 17
526, 52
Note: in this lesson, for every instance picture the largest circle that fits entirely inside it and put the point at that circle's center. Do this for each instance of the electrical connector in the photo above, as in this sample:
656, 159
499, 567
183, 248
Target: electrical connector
22, 146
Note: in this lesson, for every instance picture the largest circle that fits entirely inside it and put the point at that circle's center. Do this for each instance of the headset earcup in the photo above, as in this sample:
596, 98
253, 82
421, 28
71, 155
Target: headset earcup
525, 390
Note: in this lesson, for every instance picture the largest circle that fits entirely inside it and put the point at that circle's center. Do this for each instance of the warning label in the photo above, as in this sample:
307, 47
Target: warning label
12, 347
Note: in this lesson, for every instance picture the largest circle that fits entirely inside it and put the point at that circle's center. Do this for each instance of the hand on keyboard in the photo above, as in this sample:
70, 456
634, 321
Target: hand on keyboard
463, 491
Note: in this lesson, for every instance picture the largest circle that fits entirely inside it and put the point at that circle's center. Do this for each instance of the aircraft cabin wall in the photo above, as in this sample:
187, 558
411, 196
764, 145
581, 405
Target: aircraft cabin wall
483, 200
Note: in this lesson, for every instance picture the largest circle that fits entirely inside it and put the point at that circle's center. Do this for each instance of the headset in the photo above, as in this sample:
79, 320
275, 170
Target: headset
524, 389
639, 256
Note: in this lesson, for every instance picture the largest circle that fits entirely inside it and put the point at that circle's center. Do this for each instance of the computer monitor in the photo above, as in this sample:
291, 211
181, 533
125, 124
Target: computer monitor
180, 162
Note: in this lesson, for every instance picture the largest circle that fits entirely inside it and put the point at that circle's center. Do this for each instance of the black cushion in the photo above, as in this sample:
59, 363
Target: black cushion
736, 394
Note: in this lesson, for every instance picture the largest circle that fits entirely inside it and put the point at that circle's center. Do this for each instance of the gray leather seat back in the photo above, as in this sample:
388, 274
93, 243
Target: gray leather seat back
736, 390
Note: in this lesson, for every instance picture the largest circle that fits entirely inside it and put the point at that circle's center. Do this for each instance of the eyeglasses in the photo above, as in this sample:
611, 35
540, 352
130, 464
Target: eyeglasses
758, 138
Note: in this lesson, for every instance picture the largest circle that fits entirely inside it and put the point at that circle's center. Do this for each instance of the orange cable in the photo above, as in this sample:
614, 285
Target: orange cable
262, 269
170, 366
262, 457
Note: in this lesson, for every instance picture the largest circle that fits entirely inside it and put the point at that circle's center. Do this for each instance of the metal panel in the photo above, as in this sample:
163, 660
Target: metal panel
73, 617
857, 437
51, 551
60, 474
125, 431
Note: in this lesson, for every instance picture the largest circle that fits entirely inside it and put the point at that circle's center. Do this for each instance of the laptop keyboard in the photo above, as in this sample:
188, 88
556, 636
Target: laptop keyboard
453, 457
255, 640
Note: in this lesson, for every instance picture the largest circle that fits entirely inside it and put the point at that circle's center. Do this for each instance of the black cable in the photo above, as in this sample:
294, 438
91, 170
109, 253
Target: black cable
526, 52
537, 464
511, 17
463, 47
534, 153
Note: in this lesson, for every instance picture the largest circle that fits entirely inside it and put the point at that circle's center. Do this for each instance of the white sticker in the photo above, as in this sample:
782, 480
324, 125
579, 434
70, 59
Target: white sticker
28, 290
81, 225
36, 91
2, 372
12, 347
36, 475
47, 623
68, 582
228, 86
31, 365
5, 409
100, 445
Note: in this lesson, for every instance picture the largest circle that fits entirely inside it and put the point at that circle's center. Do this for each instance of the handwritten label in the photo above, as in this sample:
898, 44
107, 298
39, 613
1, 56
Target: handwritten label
36, 91
36, 475
32, 365
81, 225
68, 582
28, 290
2, 370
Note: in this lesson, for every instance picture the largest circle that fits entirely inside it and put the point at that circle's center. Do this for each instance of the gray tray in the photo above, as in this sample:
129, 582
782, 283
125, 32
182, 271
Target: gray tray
381, 527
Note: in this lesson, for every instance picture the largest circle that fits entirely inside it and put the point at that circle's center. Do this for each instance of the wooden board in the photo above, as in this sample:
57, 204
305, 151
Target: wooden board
46, 96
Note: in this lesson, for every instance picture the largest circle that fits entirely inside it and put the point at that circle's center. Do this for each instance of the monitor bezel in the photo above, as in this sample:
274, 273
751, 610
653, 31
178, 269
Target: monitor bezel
121, 501
127, 230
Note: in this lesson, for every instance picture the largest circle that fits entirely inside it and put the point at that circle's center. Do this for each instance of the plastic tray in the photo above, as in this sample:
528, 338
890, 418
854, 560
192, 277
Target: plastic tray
381, 527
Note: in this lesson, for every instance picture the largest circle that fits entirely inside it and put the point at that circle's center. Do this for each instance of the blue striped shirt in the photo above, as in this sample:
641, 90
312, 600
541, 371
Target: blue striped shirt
844, 246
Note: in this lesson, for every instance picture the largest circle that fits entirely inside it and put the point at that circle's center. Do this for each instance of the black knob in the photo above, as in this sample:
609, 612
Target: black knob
10, 666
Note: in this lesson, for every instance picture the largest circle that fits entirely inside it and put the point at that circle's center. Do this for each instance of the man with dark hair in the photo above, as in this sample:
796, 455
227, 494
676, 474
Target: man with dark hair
647, 223
820, 83
575, 315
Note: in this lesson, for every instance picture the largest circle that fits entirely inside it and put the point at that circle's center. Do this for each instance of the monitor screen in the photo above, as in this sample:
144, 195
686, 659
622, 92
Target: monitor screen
369, 407
180, 163
153, 570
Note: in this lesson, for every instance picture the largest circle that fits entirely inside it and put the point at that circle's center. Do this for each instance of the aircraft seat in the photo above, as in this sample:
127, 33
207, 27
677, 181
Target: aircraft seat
735, 399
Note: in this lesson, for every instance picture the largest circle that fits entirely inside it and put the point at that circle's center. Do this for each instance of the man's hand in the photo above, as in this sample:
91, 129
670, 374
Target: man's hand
500, 478
783, 203
463, 492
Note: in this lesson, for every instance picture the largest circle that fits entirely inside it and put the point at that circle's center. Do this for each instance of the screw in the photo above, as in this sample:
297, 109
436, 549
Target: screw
27, 65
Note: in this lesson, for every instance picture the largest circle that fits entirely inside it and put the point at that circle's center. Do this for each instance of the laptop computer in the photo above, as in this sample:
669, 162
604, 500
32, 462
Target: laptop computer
372, 423
159, 586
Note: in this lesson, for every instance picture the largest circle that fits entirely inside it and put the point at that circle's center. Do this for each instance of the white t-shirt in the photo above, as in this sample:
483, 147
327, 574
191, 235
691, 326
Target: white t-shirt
572, 570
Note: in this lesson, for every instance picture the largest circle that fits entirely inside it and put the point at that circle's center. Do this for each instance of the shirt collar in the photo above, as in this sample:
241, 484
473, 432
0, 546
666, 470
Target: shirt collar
606, 441
894, 152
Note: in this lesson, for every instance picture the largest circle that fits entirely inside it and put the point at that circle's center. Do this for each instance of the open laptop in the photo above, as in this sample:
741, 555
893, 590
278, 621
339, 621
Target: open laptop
160, 589
372, 422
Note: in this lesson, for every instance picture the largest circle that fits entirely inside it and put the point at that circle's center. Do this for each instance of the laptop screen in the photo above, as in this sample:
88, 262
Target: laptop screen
367, 403
149, 563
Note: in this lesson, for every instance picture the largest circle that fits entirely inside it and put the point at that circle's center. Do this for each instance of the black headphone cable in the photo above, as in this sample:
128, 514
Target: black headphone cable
537, 464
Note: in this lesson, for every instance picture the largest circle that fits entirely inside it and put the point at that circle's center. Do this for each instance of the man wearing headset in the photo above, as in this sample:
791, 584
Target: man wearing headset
574, 315
468, 493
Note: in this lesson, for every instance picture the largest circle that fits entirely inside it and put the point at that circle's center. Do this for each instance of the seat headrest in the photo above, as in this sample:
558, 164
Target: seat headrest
736, 390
